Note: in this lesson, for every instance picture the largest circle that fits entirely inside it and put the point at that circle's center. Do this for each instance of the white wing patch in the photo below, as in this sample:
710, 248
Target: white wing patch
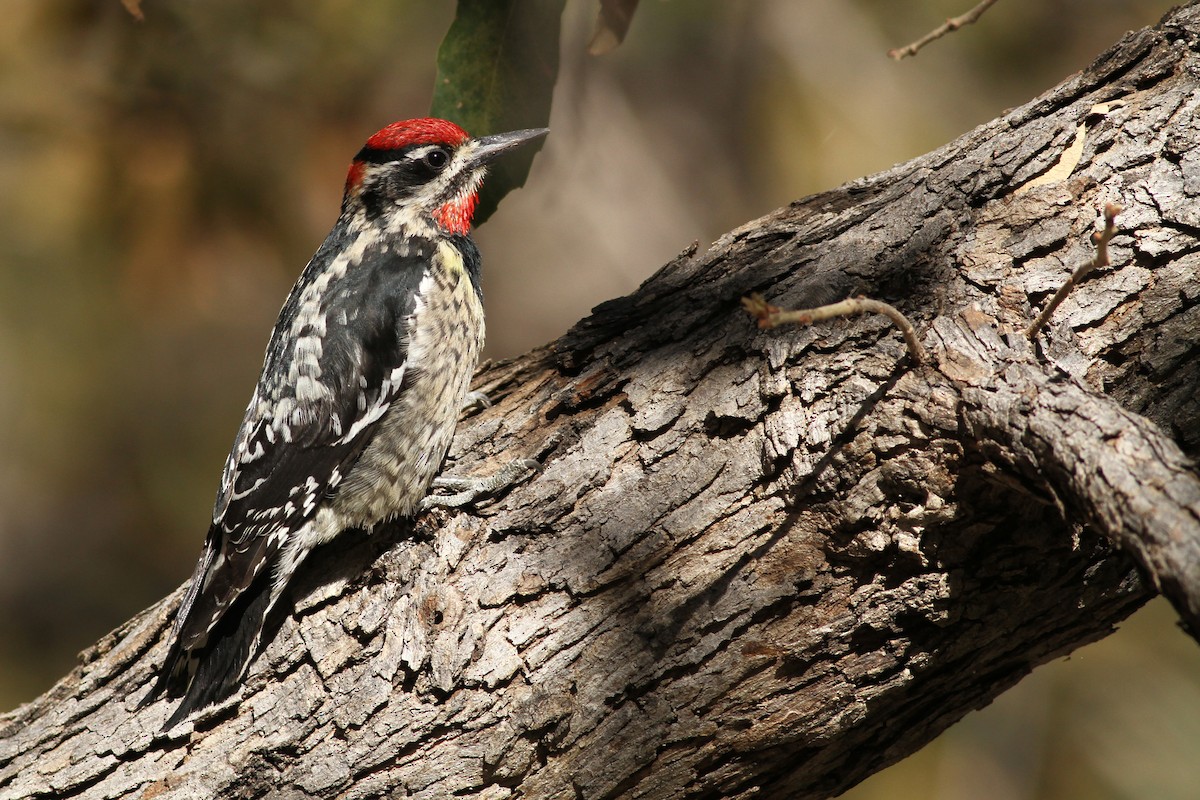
371, 415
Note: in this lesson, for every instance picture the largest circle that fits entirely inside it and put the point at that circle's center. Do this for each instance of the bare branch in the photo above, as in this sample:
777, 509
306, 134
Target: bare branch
770, 316
952, 24
1100, 239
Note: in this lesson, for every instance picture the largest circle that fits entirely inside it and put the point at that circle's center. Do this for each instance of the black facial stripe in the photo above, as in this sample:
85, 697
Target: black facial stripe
397, 173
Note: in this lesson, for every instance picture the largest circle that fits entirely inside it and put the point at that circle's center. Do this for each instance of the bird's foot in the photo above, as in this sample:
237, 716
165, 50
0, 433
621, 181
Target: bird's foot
476, 401
466, 491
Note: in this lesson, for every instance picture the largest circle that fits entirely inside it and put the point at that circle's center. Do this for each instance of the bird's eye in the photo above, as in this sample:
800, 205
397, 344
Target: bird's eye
437, 159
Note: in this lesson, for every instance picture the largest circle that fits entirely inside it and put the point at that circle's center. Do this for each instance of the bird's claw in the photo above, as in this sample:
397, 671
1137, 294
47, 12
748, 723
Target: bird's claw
466, 491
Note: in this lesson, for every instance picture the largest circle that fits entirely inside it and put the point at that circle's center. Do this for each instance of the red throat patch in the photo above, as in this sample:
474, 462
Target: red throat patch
456, 215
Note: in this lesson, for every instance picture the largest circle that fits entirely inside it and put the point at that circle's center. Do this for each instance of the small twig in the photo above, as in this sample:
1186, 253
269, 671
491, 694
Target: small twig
1100, 239
951, 25
770, 316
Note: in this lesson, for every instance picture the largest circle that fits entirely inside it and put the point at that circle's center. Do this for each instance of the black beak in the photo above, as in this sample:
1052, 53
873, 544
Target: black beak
487, 148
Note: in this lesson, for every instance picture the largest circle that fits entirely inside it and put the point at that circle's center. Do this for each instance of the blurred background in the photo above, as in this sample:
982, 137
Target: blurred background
162, 183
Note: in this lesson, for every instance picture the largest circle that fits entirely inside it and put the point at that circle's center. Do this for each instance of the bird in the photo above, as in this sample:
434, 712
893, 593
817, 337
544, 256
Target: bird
366, 370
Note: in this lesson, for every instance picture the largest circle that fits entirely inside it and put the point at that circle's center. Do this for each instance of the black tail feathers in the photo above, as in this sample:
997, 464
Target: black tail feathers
213, 672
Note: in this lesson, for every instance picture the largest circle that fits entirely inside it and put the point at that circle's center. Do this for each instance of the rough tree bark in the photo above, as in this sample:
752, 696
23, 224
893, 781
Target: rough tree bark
760, 563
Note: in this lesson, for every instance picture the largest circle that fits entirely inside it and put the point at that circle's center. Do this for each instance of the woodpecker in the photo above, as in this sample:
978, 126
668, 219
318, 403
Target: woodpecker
365, 373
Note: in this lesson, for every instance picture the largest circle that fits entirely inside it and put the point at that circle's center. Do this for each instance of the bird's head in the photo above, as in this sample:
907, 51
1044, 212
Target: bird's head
428, 167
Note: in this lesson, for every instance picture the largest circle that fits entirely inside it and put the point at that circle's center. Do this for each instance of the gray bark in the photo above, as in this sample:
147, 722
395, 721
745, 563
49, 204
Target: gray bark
755, 563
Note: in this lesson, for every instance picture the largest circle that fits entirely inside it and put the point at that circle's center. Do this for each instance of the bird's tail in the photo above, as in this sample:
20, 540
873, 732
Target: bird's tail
212, 673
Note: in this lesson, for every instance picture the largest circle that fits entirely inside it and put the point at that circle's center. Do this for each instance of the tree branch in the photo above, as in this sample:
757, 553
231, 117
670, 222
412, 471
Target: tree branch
949, 26
770, 316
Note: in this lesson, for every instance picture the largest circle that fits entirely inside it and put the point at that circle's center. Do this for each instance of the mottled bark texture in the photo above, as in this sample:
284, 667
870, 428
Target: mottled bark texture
755, 563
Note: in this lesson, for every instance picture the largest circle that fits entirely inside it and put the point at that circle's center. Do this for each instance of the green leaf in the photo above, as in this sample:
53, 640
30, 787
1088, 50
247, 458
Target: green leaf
496, 72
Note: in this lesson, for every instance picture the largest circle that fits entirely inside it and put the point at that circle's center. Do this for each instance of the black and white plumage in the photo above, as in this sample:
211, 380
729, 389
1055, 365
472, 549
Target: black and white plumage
365, 374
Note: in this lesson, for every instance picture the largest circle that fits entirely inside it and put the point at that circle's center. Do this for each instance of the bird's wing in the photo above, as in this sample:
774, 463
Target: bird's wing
335, 365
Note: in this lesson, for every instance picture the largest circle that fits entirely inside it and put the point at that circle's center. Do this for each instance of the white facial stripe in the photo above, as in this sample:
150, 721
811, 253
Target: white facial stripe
456, 181
422, 151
